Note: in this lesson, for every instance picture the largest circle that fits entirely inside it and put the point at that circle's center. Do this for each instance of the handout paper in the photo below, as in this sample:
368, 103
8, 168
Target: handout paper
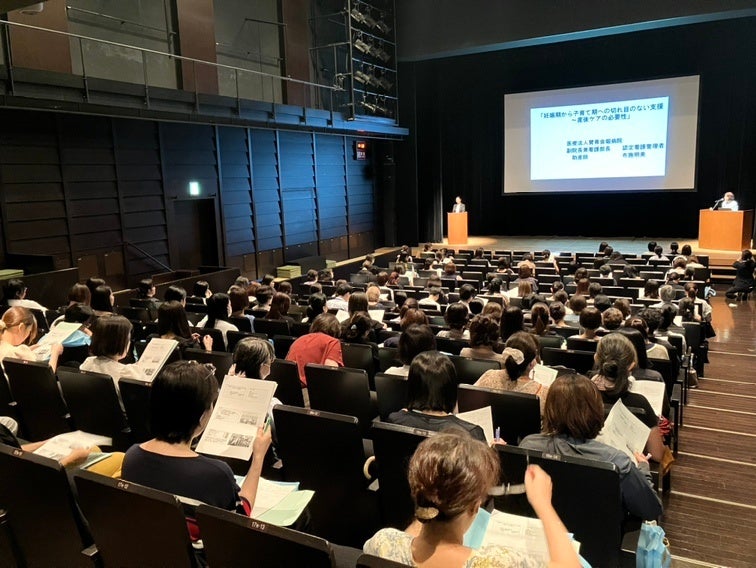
624, 431
483, 417
61, 445
155, 355
544, 375
653, 391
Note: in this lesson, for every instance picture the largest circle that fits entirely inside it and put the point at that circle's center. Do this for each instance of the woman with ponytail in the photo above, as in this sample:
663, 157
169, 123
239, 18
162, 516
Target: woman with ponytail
18, 329
450, 476
614, 360
520, 356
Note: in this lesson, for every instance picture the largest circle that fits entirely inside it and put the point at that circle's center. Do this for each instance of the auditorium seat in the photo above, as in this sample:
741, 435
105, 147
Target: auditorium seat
93, 404
388, 357
221, 360
136, 401
581, 361
359, 356
324, 452
236, 541
234, 337
515, 414
242, 323
271, 327
369, 561
341, 390
42, 515
40, 406
134, 525
391, 393
581, 344
394, 445
470, 370
451, 346
286, 375
586, 495
282, 344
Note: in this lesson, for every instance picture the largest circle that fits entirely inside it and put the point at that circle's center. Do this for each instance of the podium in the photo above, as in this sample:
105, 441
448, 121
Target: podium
725, 230
457, 223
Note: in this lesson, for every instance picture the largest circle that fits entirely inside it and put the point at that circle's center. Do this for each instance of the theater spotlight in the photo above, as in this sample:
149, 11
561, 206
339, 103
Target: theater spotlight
361, 45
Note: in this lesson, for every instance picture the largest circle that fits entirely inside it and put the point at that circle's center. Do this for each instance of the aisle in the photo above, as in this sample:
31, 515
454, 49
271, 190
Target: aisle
711, 511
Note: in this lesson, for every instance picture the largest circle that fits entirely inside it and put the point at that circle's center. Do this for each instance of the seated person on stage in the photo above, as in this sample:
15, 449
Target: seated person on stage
432, 396
484, 334
450, 476
218, 312
18, 328
573, 417
744, 281
521, 355
111, 340
14, 295
321, 346
615, 361
414, 340
455, 317
181, 402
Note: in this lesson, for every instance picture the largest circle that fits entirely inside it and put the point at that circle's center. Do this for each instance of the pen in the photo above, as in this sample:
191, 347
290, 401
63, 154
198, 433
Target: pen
267, 424
497, 434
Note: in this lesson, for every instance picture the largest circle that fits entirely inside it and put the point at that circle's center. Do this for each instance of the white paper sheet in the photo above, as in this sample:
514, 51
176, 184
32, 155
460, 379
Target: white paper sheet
653, 391
155, 355
57, 334
544, 375
483, 417
61, 445
521, 534
376, 315
342, 316
242, 406
624, 431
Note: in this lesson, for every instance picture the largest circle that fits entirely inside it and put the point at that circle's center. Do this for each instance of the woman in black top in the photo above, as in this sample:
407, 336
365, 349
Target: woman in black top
744, 281
172, 324
615, 359
432, 396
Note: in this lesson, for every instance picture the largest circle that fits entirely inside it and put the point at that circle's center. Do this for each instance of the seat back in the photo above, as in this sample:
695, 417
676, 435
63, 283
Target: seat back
271, 327
581, 361
586, 494
242, 323
282, 344
39, 404
136, 401
132, 313
664, 367
222, 360
393, 446
286, 375
93, 404
233, 541
516, 414
7, 404
341, 390
323, 451
219, 344
692, 334
234, 337
452, 346
580, 344
391, 392
388, 357
470, 370
566, 331
358, 356
39, 502
370, 561
133, 525
550, 341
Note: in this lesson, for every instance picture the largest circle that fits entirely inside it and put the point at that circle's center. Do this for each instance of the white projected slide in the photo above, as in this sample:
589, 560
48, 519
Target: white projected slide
604, 138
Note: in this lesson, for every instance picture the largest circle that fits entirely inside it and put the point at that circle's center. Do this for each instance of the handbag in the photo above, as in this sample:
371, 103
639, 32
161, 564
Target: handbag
653, 547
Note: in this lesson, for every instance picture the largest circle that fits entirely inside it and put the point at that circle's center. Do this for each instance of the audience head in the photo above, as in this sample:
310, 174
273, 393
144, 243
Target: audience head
666, 293
594, 288
264, 295
606, 271
484, 331
316, 305
456, 316
746, 255
79, 313
253, 357
658, 250
520, 354
201, 289
451, 474
512, 321
413, 316
79, 294
93, 282
415, 340
242, 282
557, 311
326, 323
581, 272
358, 302
562, 297
343, 290
524, 271
450, 269
623, 305
18, 326
686, 250
608, 251
615, 358
590, 318
279, 306
651, 289
602, 246
285, 287
503, 263
652, 317
630, 271
686, 308
466, 292
172, 320
582, 286
373, 294
311, 276
524, 288
175, 294
382, 278
267, 280
668, 313
102, 299
494, 286
218, 308
181, 401
539, 318
612, 319
673, 246
679, 262
493, 310
325, 276
357, 327
111, 337
145, 288
578, 303
652, 246
573, 408
432, 383
239, 300
602, 302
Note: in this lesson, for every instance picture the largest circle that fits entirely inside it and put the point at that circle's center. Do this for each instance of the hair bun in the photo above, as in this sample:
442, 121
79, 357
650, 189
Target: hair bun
609, 369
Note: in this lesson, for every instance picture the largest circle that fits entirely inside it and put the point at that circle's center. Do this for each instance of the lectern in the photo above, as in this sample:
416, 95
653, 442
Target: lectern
457, 228
725, 230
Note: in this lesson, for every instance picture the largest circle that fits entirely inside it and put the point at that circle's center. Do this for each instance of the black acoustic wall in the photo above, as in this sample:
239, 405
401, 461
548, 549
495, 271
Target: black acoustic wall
78, 187
455, 107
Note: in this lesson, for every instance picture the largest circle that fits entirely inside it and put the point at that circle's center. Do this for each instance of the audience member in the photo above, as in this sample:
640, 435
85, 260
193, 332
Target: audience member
111, 341
321, 346
414, 340
484, 334
456, 318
